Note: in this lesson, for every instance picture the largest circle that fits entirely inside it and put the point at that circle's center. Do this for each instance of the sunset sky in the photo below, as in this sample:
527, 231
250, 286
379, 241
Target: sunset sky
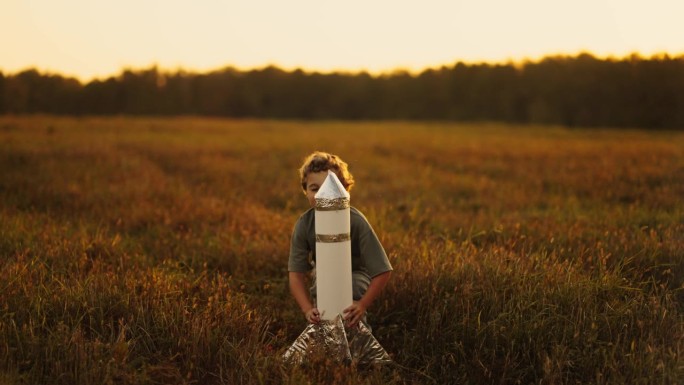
97, 38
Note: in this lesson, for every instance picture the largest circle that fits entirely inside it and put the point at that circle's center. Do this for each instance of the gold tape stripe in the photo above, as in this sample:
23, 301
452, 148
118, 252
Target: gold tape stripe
333, 238
323, 204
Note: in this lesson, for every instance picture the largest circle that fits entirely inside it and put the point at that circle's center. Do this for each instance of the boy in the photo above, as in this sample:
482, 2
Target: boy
370, 267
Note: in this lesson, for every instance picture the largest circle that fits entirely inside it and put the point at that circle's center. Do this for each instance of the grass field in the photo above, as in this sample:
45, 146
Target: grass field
141, 250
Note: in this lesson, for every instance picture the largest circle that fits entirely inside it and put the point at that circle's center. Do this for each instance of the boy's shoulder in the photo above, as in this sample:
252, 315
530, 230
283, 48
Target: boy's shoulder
357, 217
354, 211
308, 213
306, 218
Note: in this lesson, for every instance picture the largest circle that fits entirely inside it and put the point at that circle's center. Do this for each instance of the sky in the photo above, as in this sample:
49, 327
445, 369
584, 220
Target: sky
96, 38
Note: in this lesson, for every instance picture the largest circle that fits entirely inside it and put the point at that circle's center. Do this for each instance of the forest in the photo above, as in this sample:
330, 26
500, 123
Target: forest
572, 91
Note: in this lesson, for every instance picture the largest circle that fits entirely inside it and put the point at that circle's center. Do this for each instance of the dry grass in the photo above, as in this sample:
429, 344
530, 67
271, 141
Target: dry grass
155, 251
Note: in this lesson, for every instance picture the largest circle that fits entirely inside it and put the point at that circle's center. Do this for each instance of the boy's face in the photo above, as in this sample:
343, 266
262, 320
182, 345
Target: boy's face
314, 181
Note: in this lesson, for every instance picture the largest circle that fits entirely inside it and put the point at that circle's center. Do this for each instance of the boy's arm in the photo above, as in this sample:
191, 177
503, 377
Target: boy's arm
355, 312
299, 292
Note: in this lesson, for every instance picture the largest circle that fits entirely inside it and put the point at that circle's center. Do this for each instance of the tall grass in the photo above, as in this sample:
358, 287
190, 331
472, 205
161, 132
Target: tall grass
155, 251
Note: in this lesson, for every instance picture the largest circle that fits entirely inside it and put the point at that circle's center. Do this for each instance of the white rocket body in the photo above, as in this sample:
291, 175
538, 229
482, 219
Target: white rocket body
333, 248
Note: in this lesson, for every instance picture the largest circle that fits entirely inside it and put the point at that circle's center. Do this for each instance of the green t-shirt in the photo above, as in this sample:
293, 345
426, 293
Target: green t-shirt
368, 256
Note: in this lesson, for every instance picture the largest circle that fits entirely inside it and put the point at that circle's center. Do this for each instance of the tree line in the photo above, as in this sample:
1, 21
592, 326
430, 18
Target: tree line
579, 90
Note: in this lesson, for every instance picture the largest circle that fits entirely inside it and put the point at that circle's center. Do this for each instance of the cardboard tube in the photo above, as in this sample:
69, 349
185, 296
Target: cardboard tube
333, 248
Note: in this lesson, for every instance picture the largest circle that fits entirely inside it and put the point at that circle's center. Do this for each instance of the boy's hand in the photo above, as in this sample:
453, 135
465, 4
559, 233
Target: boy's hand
354, 313
313, 316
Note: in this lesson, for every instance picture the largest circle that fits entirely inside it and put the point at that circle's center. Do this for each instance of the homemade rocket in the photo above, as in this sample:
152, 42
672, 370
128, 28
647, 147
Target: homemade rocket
330, 338
333, 248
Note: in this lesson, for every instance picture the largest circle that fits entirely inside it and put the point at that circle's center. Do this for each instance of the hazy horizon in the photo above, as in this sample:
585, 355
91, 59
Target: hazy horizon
389, 71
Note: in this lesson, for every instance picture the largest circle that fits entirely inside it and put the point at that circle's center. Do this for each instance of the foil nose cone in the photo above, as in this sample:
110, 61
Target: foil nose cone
332, 188
332, 195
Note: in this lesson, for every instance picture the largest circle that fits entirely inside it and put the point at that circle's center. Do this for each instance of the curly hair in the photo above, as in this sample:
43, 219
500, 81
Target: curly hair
322, 161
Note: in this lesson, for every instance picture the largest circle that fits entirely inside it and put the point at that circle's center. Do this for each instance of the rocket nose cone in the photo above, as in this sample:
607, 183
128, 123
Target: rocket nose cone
332, 188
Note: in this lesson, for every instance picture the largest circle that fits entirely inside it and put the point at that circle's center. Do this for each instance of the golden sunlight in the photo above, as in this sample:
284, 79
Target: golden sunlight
95, 38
